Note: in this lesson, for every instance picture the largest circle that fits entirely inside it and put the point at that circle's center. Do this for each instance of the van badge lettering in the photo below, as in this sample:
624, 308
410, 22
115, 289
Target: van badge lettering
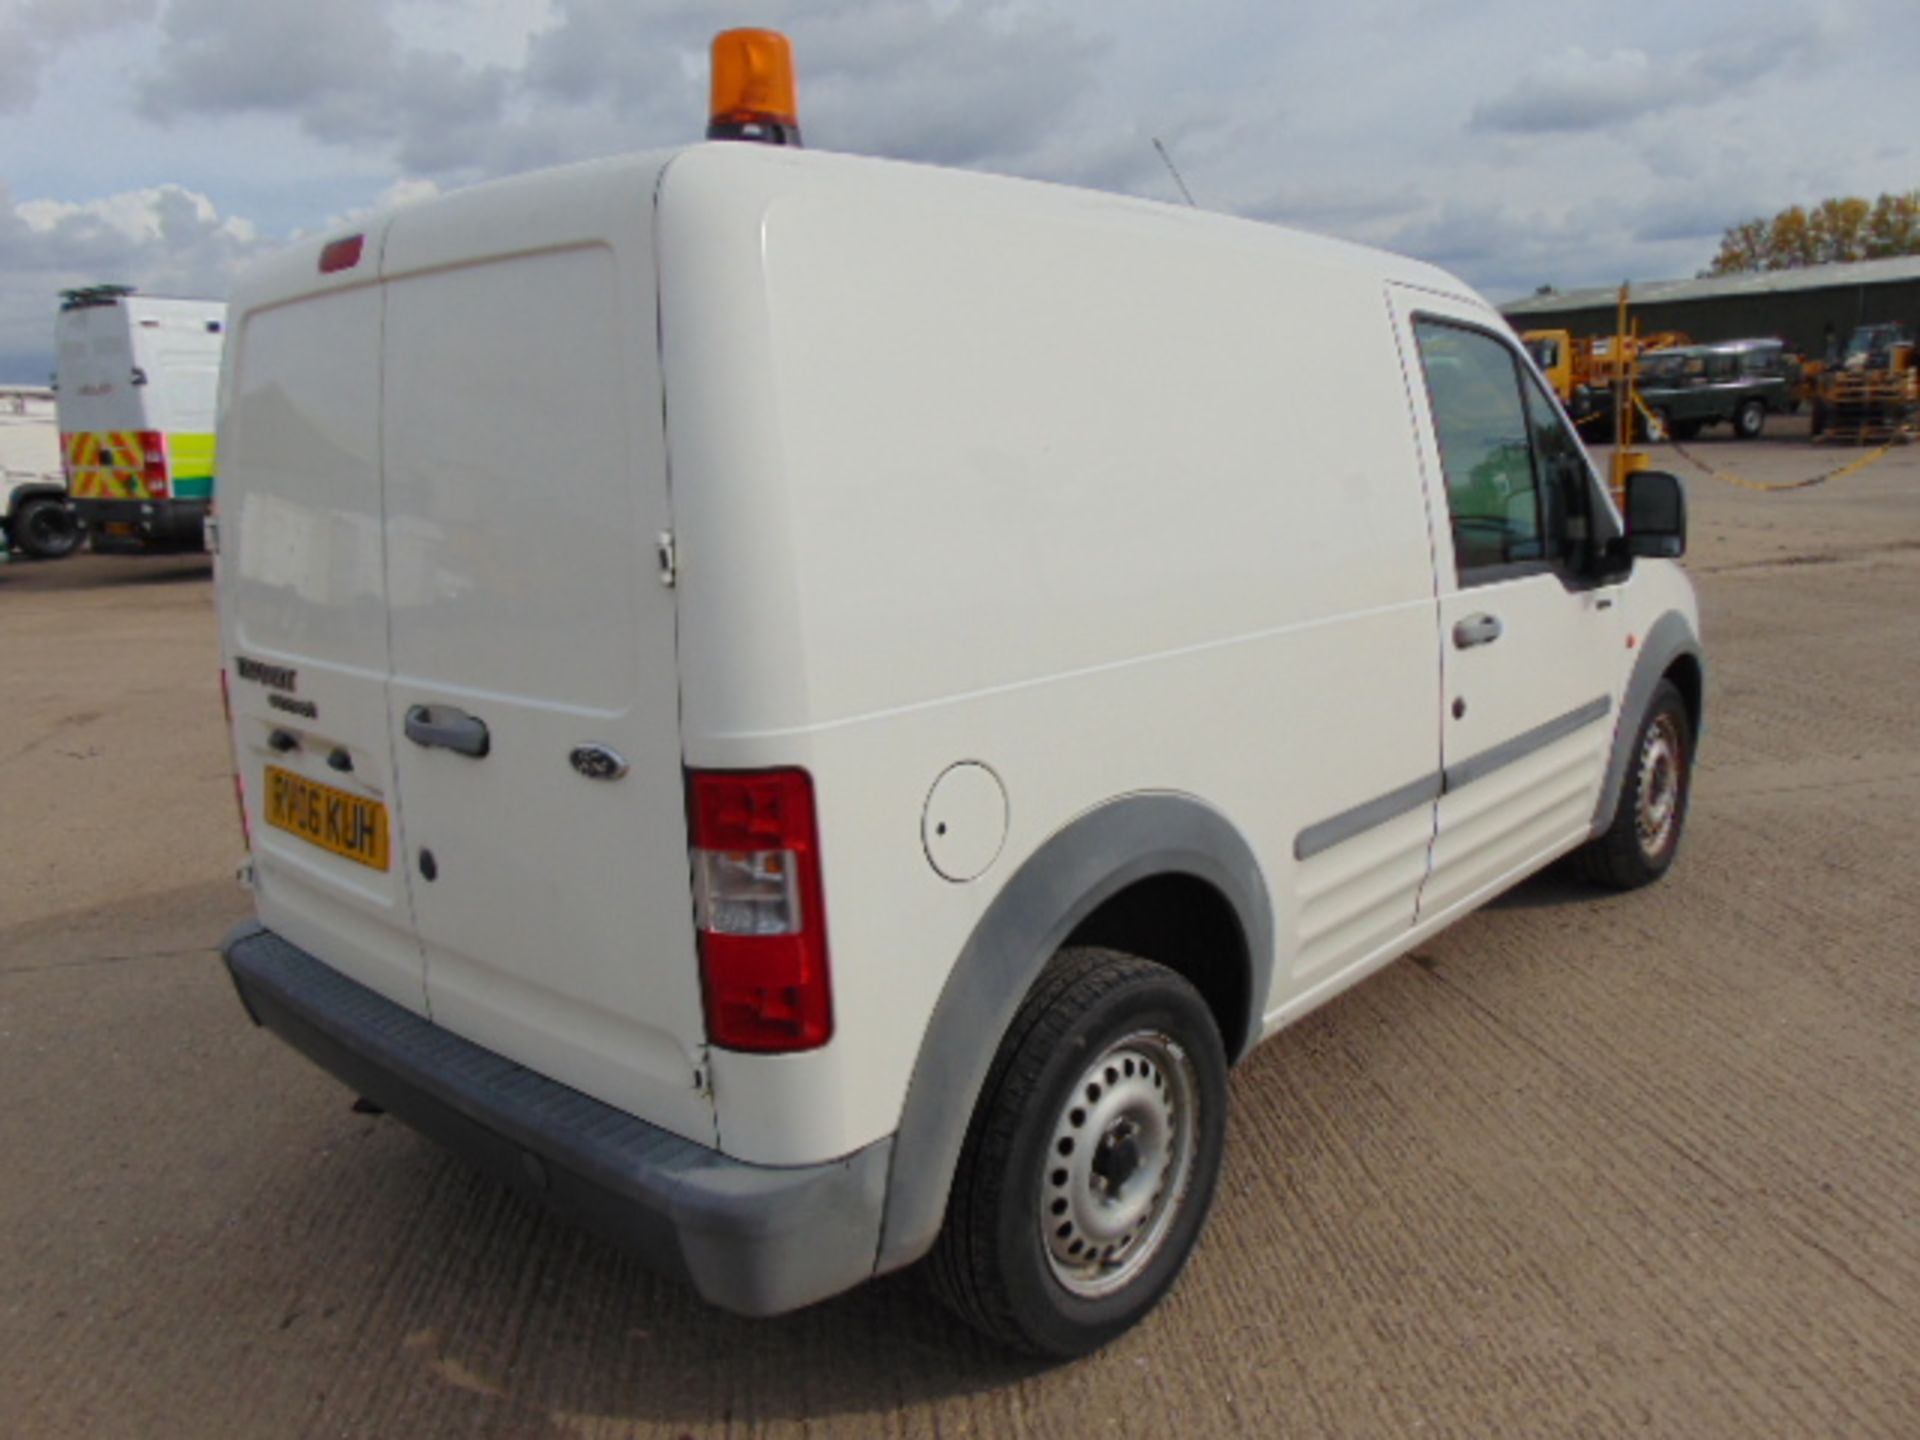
274, 677
598, 762
306, 709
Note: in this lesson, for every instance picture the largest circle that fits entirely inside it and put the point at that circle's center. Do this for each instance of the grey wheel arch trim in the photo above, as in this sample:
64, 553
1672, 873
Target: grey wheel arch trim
1669, 637
1061, 884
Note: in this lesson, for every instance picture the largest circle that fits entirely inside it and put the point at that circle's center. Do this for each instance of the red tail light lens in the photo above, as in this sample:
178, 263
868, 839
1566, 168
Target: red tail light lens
153, 462
759, 909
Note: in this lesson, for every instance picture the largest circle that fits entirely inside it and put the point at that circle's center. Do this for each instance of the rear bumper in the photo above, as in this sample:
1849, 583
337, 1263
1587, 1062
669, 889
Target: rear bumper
754, 1239
180, 523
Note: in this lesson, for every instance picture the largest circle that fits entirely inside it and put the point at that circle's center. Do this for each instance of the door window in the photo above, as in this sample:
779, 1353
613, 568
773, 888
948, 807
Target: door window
1520, 494
1486, 451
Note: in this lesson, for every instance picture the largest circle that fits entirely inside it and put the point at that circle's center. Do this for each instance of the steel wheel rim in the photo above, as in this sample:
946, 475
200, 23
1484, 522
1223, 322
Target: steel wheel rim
1119, 1163
1662, 771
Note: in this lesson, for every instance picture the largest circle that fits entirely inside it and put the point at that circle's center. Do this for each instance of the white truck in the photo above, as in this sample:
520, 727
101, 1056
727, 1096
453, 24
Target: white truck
803, 710
34, 519
136, 384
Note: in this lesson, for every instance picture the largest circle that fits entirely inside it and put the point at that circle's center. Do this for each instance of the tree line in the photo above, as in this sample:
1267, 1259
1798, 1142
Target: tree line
1846, 228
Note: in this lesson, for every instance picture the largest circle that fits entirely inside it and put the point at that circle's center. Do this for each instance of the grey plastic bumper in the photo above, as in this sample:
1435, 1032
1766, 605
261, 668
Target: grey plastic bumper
755, 1239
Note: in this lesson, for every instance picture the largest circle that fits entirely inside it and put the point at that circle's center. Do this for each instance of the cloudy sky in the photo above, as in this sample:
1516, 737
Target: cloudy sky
164, 143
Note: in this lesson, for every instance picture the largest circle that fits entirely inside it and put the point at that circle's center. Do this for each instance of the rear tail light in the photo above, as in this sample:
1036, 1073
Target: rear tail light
759, 909
153, 462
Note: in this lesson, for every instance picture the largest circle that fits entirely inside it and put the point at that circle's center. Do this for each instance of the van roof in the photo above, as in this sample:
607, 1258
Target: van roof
779, 172
986, 191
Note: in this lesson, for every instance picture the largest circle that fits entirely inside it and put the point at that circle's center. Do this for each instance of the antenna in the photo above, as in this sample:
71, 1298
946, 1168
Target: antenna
1174, 171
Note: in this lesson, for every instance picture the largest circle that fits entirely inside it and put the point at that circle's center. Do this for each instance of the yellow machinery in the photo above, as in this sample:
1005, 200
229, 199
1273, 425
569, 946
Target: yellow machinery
1873, 395
1584, 371
1622, 374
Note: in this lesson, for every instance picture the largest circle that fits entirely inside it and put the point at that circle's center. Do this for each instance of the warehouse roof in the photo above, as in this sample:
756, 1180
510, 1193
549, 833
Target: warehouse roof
1762, 282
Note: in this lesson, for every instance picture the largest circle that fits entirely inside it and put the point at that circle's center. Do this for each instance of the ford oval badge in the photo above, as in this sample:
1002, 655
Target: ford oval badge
598, 762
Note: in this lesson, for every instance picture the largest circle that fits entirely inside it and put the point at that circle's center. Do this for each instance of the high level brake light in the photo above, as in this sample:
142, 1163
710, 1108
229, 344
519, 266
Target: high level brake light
759, 909
753, 88
341, 254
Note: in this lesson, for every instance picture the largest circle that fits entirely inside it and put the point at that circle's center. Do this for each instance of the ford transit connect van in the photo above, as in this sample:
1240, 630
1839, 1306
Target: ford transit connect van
803, 710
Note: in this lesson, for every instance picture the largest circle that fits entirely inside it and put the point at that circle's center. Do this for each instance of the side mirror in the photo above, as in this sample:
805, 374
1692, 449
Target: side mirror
1656, 515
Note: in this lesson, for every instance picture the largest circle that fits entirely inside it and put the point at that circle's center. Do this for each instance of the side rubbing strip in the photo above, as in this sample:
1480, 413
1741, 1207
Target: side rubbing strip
1363, 817
1325, 834
1477, 767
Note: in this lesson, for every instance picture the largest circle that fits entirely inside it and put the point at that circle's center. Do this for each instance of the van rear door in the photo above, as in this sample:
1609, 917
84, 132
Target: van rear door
304, 618
535, 705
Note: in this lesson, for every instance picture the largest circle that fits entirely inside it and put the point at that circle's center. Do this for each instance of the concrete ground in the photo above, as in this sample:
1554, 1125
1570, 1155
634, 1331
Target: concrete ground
1589, 1165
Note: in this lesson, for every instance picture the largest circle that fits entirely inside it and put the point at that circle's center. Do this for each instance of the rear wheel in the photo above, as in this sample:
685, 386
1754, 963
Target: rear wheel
45, 529
1091, 1161
1750, 419
1639, 846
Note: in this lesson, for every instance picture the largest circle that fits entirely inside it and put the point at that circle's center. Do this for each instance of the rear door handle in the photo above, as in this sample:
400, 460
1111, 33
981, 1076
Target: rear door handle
448, 728
1476, 630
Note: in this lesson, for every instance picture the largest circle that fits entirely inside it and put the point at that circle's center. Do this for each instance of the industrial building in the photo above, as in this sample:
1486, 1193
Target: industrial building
1810, 308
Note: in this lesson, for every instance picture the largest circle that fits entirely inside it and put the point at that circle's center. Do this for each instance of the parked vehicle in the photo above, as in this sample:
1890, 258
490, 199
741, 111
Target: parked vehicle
1584, 370
34, 519
829, 766
1873, 395
136, 389
1732, 382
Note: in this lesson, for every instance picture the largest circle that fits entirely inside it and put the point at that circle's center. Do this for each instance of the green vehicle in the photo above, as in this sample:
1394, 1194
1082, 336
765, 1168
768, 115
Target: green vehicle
1732, 382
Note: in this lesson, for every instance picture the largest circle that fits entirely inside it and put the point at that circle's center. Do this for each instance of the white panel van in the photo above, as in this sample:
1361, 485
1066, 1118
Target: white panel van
137, 382
803, 710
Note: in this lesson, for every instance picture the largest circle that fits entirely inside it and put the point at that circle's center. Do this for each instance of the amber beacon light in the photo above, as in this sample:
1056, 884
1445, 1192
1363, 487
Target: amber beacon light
753, 89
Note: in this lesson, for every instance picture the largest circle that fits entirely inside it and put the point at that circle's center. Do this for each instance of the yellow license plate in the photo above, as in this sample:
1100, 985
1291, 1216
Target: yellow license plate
118, 527
348, 825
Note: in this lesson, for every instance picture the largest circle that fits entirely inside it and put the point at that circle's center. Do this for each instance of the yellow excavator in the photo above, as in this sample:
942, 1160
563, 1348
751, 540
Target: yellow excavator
1873, 395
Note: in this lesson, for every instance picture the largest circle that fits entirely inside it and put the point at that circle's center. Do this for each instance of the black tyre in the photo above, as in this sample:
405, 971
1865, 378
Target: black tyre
1091, 1160
45, 529
1750, 419
1638, 848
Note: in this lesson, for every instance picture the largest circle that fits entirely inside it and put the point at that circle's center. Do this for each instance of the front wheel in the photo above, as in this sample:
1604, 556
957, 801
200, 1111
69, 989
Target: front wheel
1639, 846
1749, 420
1091, 1160
45, 529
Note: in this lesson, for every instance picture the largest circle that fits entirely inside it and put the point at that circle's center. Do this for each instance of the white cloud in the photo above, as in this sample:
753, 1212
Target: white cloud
1573, 90
33, 31
339, 70
166, 240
